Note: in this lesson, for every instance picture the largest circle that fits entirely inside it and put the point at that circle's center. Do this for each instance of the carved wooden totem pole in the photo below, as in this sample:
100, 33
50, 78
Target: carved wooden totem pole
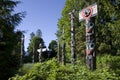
88, 14
73, 56
63, 47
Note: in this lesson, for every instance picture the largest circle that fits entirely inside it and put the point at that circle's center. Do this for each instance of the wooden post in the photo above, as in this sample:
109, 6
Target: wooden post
73, 56
40, 53
22, 49
90, 44
33, 56
58, 54
63, 47
88, 14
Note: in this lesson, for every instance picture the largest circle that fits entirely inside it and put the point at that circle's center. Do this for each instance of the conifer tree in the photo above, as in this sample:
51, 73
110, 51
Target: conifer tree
106, 29
9, 39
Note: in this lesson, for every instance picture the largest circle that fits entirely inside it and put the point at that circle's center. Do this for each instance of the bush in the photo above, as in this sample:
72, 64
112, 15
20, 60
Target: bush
107, 69
25, 68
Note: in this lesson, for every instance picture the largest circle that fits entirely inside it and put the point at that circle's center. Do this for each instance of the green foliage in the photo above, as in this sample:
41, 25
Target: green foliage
35, 41
107, 24
25, 68
53, 45
107, 69
40, 71
33, 46
104, 48
9, 39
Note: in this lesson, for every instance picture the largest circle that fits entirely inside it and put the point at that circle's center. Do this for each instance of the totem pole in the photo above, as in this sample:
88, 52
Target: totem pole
88, 14
58, 54
22, 48
33, 55
72, 37
40, 52
63, 47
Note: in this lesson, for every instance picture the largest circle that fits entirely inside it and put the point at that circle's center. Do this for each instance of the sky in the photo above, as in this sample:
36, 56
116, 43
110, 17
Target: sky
40, 14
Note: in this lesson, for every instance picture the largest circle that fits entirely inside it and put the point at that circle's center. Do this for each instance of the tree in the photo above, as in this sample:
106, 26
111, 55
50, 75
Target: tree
107, 22
39, 33
52, 48
65, 21
9, 42
52, 45
33, 46
32, 35
108, 18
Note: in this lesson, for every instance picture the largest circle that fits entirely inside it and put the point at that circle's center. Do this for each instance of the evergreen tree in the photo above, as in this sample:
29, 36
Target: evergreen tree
106, 26
9, 39
39, 33
32, 35
53, 45
34, 45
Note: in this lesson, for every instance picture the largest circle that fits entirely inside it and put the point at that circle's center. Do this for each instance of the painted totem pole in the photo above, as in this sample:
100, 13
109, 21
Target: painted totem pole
88, 14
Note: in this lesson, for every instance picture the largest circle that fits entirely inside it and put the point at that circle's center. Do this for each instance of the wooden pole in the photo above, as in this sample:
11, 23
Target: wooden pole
73, 56
63, 47
90, 44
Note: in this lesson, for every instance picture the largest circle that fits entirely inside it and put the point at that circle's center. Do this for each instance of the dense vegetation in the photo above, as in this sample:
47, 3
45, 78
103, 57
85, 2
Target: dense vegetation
10, 39
35, 41
107, 33
107, 69
107, 28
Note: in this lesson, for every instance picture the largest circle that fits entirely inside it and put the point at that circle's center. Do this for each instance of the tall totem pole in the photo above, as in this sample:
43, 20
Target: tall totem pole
40, 52
22, 48
58, 54
73, 57
88, 14
63, 46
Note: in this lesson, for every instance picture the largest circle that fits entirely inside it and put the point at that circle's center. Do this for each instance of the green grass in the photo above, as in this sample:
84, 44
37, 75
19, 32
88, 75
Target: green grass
25, 68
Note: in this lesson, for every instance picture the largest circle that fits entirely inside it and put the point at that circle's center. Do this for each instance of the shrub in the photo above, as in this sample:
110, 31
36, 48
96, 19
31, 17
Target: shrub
107, 69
